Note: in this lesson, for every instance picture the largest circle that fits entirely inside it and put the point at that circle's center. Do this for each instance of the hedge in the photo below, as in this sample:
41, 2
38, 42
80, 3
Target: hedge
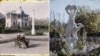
11, 30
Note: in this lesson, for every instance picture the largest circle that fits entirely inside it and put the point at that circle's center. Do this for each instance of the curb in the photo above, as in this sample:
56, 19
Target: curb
35, 39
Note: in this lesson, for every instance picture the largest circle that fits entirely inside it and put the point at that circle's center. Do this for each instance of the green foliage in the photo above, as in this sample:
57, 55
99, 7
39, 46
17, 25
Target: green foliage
88, 19
39, 33
36, 33
11, 30
41, 24
60, 45
28, 33
53, 54
84, 37
80, 45
95, 52
98, 26
2, 24
82, 40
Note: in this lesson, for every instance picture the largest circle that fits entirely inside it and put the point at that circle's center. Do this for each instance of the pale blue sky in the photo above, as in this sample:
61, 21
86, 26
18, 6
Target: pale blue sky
59, 6
41, 9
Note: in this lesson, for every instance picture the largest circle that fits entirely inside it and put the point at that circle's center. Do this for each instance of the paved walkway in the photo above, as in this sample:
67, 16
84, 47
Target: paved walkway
36, 47
9, 36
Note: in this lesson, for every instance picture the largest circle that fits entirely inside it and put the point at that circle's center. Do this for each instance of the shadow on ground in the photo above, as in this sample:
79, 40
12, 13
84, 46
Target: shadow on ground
34, 45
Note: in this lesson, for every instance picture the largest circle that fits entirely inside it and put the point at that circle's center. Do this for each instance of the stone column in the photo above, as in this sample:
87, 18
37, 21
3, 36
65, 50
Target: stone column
33, 25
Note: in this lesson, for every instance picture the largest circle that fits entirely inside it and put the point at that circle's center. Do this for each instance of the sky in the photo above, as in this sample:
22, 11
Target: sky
24, 1
41, 9
58, 6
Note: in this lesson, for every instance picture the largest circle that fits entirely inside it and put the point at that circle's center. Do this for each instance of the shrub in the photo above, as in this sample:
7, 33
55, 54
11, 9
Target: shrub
11, 30
39, 33
28, 33
36, 33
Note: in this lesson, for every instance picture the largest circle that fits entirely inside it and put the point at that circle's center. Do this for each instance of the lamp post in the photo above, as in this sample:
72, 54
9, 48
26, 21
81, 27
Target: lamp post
33, 25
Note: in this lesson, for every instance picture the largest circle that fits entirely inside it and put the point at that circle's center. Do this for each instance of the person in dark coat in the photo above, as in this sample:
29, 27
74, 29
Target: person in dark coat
17, 40
24, 40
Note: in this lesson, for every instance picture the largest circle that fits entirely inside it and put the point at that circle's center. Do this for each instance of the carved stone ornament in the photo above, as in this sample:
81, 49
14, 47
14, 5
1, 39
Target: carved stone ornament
72, 27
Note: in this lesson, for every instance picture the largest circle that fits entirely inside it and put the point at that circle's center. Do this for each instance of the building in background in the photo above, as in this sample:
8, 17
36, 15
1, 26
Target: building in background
17, 19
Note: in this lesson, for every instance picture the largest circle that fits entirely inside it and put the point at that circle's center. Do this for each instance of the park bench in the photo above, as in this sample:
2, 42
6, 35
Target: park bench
21, 44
